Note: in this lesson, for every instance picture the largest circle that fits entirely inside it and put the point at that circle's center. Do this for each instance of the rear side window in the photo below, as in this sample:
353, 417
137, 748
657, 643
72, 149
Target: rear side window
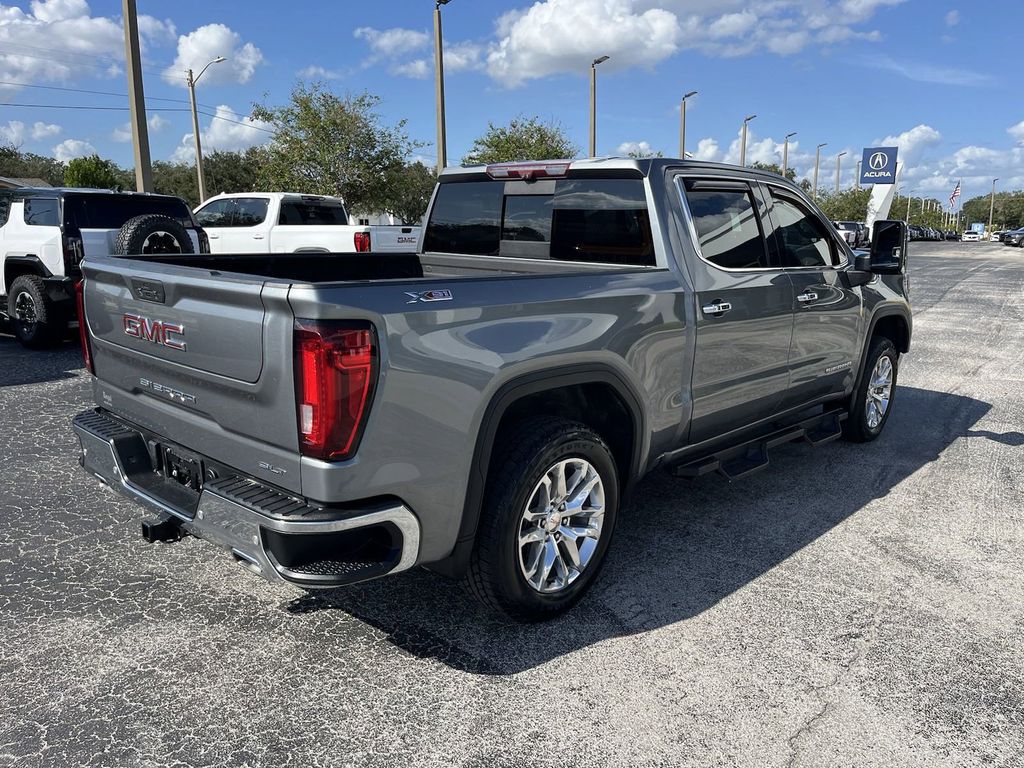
593, 220
5, 209
295, 213
42, 212
727, 227
250, 211
112, 211
803, 238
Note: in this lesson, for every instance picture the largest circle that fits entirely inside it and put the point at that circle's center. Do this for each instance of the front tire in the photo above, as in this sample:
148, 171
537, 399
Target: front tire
549, 511
872, 401
37, 321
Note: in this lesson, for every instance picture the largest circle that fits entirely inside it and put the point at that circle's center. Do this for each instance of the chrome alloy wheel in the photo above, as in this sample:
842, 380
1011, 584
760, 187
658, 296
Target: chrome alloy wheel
25, 308
161, 242
561, 525
879, 392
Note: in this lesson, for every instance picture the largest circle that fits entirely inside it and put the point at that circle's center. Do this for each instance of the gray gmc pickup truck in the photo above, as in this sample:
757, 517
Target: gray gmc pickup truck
484, 405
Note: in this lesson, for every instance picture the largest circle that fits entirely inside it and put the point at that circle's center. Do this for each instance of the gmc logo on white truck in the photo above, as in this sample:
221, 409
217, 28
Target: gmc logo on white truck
157, 331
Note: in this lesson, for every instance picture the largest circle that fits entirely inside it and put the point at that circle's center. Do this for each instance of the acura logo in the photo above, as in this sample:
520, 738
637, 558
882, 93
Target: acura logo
878, 161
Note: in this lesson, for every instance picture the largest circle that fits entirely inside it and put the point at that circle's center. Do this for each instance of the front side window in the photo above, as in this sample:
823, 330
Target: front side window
42, 212
215, 214
250, 211
803, 239
727, 227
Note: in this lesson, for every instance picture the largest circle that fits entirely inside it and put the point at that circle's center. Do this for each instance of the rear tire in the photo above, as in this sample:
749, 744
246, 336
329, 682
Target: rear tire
525, 523
872, 401
37, 321
152, 234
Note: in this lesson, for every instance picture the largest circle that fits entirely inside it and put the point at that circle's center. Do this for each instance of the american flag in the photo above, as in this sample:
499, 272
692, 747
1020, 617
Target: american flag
955, 196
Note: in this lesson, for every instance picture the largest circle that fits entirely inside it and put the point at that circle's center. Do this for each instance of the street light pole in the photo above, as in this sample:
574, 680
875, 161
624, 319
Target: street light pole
136, 98
992, 204
682, 125
442, 138
839, 160
593, 103
817, 164
743, 140
910, 197
191, 81
856, 179
785, 154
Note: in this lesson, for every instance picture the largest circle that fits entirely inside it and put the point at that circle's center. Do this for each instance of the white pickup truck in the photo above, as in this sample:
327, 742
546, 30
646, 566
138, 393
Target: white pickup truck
286, 222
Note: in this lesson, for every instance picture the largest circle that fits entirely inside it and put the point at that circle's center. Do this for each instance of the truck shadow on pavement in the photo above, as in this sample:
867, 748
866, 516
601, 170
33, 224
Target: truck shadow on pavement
681, 546
25, 366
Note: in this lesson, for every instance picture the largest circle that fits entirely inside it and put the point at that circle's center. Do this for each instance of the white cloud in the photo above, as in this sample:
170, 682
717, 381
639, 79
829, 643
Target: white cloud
922, 72
732, 24
316, 72
57, 39
41, 130
69, 149
463, 56
157, 123
565, 35
418, 69
640, 148
206, 43
392, 43
123, 133
913, 143
707, 149
13, 133
952, 18
229, 132
1017, 131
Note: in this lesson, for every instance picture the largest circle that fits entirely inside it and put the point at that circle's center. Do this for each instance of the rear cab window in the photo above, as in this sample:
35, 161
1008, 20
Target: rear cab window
593, 220
42, 212
111, 211
312, 213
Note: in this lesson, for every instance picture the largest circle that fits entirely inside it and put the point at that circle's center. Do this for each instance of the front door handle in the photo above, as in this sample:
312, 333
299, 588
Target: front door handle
807, 297
257, 237
717, 308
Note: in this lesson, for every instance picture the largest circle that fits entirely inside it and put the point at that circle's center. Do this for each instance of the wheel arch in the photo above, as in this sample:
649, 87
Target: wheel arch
16, 266
597, 385
894, 323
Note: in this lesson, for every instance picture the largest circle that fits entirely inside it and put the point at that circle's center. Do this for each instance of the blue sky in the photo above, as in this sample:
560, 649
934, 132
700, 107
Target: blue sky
938, 78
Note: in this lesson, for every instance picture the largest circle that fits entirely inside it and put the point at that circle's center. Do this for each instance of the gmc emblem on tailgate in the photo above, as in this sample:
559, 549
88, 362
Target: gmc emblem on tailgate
157, 331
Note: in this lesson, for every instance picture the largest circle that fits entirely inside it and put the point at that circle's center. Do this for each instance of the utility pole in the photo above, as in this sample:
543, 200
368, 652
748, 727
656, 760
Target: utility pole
593, 103
191, 82
817, 163
785, 154
839, 160
909, 198
992, 204
442, 139
682, 125
856, 179
136, 98
743, 140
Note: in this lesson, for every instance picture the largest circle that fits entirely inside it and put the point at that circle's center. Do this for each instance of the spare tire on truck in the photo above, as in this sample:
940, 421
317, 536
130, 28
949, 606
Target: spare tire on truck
153, 233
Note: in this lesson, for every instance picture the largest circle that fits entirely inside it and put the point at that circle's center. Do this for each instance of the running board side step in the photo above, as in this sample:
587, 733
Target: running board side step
744, 459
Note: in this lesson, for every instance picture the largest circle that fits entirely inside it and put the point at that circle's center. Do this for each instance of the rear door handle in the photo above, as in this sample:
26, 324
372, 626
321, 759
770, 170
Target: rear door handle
806, 297
257, 237
717, 308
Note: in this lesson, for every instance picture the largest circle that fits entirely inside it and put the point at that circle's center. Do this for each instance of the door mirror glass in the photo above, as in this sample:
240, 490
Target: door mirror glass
889, 247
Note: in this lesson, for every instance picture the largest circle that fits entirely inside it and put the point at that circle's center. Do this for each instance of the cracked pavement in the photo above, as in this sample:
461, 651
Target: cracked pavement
851, 606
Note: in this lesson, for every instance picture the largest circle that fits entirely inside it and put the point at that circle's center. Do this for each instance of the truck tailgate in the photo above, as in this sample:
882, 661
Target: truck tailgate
181, 352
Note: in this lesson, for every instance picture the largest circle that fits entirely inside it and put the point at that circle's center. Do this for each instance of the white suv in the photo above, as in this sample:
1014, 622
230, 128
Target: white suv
45, 234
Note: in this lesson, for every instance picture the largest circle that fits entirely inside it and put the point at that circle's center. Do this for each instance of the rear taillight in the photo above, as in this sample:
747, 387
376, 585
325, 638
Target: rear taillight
83, 329
362, 242
335, 371
73, 253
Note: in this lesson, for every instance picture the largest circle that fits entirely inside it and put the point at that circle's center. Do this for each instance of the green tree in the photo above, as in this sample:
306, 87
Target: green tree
178, 179
410, 193
525, 138
92, 171
774, 168
24, 165
333, 145
847, 205
231, 171
1007, 213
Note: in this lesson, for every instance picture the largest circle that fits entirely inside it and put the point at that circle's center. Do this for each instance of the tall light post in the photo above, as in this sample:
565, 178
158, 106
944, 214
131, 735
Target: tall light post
785, 154
856, 179
992, 204
191, 81
743, 140
682, 124
910, 197
136, 98
593, 103
442, 138
839, 160
817, 164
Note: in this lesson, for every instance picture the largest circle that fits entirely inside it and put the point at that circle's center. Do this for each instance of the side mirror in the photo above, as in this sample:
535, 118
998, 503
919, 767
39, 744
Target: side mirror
888, 247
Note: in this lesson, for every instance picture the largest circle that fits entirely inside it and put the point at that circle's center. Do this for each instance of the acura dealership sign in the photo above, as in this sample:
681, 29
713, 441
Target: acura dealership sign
878, 166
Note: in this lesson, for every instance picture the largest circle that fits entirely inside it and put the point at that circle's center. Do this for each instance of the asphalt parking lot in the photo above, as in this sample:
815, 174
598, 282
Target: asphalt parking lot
853, 605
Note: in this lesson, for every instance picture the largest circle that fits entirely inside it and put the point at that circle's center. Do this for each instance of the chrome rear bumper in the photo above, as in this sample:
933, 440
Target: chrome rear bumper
274, 534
